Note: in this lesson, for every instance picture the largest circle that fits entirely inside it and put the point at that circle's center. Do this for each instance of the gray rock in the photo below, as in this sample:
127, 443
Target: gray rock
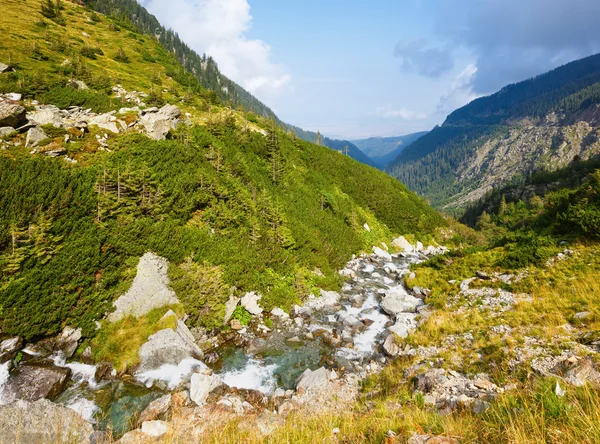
68, 341
34, 136
12, 115
328, 299
158, 409
482, 275
7, 131
150, 289
480, 406
402, 244
168, 346
382, 254
429, 380
9, 348
42, 422
106, 121
155, 428
33, 382
5, 68
582, 315
230, 307
201, 386
46, 116
158, 124
397, 300
309, 380
279, 313
250, 303
390, 347
405, 324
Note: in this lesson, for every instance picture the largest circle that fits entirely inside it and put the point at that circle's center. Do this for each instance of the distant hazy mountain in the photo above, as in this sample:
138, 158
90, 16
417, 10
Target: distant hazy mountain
383, 150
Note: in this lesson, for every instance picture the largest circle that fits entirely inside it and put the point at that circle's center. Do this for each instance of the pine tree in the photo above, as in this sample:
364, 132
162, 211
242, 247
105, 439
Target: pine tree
502, 207
276, 160
319, 140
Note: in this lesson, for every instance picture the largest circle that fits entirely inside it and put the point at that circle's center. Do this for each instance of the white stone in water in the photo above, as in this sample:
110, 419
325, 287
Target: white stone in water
397, 300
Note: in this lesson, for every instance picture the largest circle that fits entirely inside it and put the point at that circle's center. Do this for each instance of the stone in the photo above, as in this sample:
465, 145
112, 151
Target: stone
582, 315
68, 341
201, 385
381, 254
34, 136
158, 124
12, 115
429, 380
5, 68
312, 379
155, 428
15, 97
106, 122
279, 313
34, 382
230, 307
250, 302
397, 300
429, 439
482, 275
367, 228
46, 116
7, 131
402, 244
42, 422
168, 346
480, 406
235, 325
390, 347
9, 348
159, 409
405, 324
328, 299
150, 289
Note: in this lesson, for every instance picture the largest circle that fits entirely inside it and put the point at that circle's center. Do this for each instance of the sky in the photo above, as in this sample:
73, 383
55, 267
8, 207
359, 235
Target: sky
358, 68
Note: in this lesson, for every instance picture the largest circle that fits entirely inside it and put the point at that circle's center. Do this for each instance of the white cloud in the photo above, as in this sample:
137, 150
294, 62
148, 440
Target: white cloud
461, 92
402, 113
218, 28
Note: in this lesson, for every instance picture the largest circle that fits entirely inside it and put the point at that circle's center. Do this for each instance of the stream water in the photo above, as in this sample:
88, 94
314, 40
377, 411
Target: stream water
345, 336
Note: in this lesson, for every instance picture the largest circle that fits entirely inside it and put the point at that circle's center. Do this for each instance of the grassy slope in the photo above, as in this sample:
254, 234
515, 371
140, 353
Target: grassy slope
216, 200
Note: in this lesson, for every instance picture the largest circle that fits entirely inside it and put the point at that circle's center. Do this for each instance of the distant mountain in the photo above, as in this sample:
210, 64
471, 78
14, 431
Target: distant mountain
343, 146
542, 123
383, 150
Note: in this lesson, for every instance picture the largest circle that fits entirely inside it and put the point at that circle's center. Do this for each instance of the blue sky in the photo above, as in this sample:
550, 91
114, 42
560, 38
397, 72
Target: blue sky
357, 68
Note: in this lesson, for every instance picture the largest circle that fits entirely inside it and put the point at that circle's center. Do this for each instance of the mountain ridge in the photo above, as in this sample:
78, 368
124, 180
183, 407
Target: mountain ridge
383, 150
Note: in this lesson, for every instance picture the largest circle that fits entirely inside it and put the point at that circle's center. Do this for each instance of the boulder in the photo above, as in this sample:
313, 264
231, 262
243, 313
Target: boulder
327, 299
12, 115
158, 124
50, 115
107, 122
34, 136
230, 307
9, 348
42, 422
168, 347
390, 347
311, 379
250, 303
6, 131
431, 379
397, 300
382, 254
405, 324
279, 313
155, 428
201, 386
66, 343
35, 381
150, 289
236, 325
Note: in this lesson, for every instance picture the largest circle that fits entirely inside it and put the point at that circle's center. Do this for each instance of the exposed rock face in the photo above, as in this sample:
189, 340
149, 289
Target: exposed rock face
168, 347
9, 348
158, 124
12, 115
158, 409
201, 386
33, 382
66, 343
150, 289
309, 379
230, 307
250, 303
42, 422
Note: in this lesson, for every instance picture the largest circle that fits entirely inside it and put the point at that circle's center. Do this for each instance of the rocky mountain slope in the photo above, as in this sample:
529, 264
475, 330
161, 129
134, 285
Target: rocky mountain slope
383, 150
542, 123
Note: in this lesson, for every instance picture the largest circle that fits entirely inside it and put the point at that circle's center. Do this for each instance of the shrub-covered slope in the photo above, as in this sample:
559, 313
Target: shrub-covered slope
229, 198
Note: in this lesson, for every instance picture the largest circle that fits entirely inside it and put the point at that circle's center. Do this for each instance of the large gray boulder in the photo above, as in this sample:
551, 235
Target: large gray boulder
46, 115
150, 289
106, 122
201, 385
397, 300
402, 244
34, 136
33, 382
230, 307
6, 131
42, 422
66, 343
12, 115
405, 324
250, 303
9, 348
168, 346
328, 299
312, 379
158, 124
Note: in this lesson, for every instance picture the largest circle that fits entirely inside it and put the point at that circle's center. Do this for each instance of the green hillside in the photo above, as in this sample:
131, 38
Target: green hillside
249, 205
383, 150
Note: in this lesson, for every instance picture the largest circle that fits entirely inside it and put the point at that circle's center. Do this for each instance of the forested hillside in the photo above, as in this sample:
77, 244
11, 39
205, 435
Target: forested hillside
383, 150
541, 123
228, 192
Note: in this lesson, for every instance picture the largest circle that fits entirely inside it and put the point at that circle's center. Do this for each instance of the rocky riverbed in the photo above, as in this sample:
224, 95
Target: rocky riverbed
331, 342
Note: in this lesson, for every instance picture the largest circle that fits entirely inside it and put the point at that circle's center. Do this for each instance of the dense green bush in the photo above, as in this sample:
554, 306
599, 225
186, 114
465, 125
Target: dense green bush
63, 97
